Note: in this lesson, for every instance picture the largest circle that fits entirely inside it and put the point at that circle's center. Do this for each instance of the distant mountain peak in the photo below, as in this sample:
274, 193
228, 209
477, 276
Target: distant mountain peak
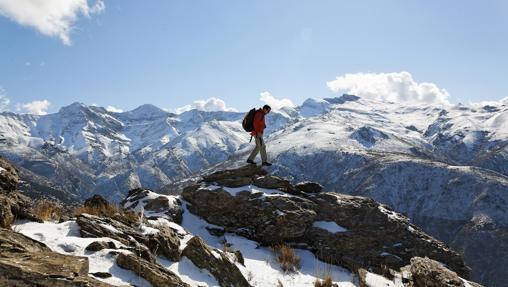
147, 110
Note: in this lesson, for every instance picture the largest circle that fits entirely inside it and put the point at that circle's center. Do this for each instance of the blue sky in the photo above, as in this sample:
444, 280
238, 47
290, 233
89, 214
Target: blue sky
171, 53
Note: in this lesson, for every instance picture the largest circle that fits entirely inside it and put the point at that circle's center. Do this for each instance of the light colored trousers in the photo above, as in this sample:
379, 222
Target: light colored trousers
260, 147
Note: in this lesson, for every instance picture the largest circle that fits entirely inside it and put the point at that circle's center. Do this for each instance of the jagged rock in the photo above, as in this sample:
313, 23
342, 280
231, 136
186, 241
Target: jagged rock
376, 237
215, 231
97, 202
271, 181
8, 176
366, 234
100, 245
101, 274
13, 204
157, 275
239, 257
234, 182
165, 242
225, 271
362, 277
15, 242
6, 216
309, 187
248, 171
171, 206
266, 219
26, 262
426, 272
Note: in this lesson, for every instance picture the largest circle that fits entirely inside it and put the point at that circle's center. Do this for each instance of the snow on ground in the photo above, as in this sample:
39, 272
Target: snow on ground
64, 238
265, 192
189, 273
261, 268
329, 226
374, 280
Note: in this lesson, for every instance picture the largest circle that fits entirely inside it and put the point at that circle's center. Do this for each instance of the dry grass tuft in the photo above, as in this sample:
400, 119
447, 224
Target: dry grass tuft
110, 211
324, 283
47, 210
107, 211
288, 260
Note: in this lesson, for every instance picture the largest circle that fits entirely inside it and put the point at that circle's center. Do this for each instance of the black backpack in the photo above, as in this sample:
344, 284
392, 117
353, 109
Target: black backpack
248, 121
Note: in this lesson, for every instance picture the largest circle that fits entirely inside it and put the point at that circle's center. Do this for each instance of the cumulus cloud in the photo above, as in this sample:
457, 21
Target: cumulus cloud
4, 100
34, 107
395, 87
209, 105
113, 109
54, 18
273, 102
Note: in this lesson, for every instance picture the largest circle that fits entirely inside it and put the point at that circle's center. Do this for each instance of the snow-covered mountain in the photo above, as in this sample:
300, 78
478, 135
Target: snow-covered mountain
446, 167
86, 149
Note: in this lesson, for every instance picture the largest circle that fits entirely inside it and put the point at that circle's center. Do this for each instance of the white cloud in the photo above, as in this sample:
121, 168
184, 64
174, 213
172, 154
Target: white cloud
4, 100
34, 107
54, 18
113, 109
395, 87
209, 105
273, 102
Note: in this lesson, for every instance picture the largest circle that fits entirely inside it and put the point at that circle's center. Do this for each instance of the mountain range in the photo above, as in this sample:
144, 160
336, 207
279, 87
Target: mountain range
445, 167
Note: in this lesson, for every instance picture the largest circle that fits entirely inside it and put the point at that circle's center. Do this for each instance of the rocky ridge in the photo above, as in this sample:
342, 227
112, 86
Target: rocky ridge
113, 245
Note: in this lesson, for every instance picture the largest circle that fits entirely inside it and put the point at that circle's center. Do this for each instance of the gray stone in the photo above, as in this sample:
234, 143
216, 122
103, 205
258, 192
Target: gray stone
152, 272
225, 271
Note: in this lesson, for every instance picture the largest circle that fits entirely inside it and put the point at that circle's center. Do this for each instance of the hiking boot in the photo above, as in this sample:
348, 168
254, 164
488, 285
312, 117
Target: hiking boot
251, 161
266, 164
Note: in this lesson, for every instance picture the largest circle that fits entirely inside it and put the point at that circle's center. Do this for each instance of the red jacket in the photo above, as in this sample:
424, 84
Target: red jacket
258, 123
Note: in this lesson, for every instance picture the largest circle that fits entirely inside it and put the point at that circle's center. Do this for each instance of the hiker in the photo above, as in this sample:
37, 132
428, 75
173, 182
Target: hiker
258, 127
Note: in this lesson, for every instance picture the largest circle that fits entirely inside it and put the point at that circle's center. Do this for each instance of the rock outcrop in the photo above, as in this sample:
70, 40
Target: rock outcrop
13, 204
430, 273
362, 232
266, 219
374, 236
218, 263
158, 205
157, 275
160, 241
26, 262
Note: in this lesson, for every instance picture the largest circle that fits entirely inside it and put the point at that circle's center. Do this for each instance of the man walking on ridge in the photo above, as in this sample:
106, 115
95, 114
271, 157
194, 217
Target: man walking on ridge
258, 128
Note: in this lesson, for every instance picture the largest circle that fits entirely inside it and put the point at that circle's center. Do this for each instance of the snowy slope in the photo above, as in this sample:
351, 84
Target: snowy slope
261, 268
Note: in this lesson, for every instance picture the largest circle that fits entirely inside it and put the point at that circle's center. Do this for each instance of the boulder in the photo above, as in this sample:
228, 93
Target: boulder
101, 274
26, 262
426, 272
309, 187
267, 219
11, 241
215, 261
164, 242
248, 171
157, 275
375, 237
8, 176
13, 204
100, 245
350, 231
272, 182
152, 203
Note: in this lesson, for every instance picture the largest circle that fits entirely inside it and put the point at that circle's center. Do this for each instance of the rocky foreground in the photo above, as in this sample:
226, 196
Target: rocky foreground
222, 231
